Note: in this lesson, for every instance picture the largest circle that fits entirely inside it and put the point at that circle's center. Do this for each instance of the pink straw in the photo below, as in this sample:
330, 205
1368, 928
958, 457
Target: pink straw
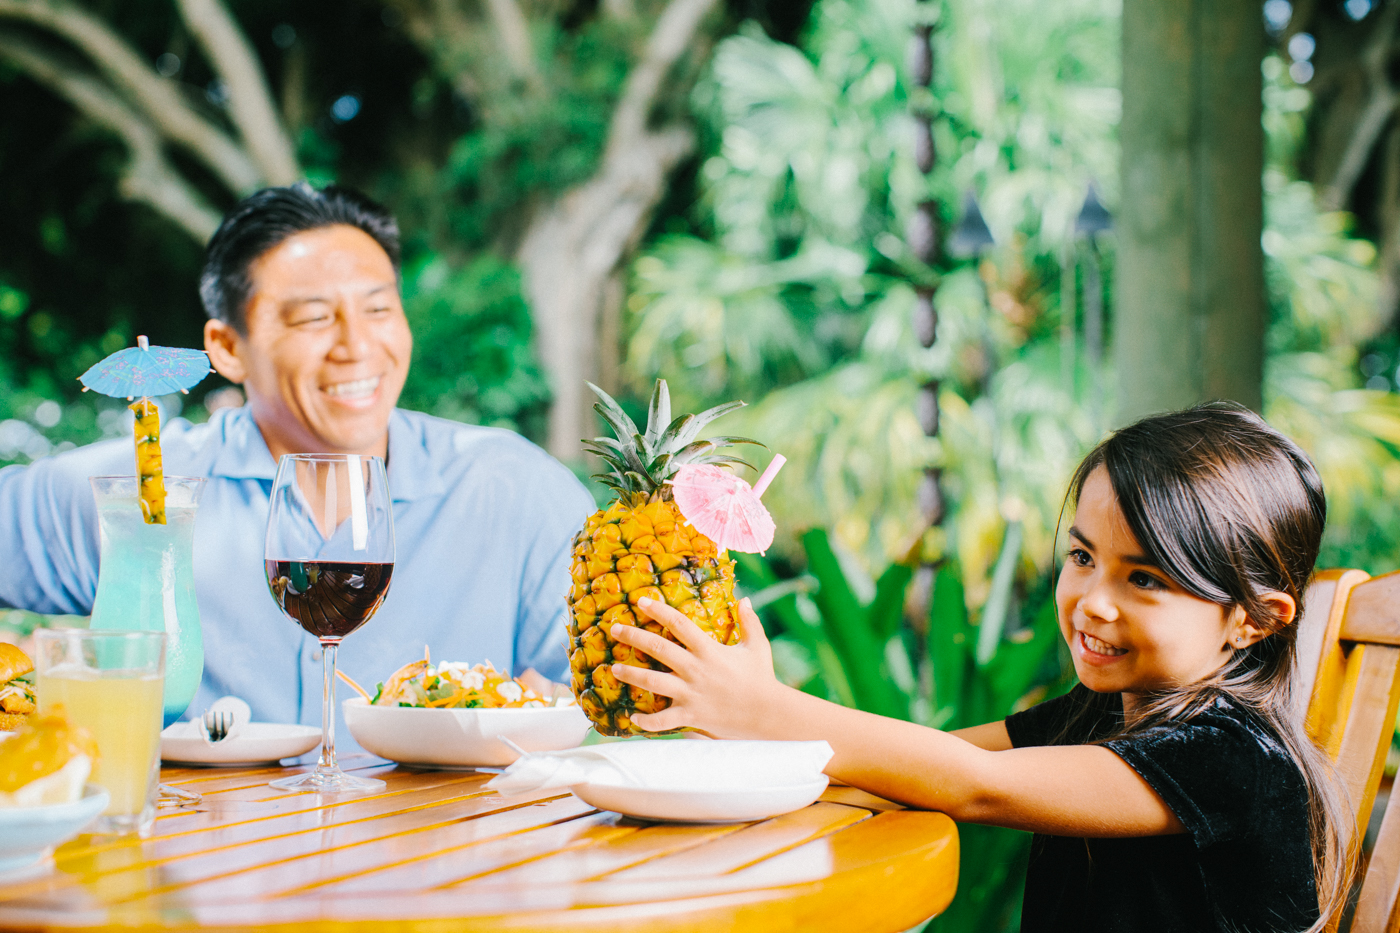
762, 485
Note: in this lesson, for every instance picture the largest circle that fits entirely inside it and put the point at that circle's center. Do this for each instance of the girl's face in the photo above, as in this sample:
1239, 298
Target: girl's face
1128, 626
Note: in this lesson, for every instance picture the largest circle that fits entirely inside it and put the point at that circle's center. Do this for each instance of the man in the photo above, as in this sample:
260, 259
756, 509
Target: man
302, 291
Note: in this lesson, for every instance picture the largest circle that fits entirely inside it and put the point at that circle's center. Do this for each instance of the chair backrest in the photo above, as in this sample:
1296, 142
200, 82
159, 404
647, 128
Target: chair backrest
1323, 606
1355, 694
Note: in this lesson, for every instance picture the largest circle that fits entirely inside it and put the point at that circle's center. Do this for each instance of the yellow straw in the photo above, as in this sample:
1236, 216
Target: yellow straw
356, 687
150, 475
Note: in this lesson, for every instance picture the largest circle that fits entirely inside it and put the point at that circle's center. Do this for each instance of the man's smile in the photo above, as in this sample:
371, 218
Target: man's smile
358, 389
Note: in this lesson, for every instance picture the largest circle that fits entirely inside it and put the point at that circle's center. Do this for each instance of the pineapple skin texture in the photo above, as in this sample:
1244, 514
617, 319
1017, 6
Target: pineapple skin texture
622, 554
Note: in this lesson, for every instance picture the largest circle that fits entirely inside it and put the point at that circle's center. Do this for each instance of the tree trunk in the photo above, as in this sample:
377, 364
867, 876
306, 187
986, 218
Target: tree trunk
1190, 283
125, 95
573, 247
569, 253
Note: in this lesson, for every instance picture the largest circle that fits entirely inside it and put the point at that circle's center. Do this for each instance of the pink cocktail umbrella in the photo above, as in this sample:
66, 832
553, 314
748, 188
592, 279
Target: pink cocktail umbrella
724, 508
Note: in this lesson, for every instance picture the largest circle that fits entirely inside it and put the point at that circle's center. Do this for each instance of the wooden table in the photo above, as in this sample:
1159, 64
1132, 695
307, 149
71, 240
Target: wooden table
436, 851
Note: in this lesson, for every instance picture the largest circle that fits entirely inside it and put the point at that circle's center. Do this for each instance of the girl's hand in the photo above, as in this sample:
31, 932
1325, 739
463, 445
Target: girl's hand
717, 689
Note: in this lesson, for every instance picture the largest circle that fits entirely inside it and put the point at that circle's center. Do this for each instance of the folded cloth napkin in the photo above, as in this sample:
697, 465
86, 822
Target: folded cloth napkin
668, 765
235, 707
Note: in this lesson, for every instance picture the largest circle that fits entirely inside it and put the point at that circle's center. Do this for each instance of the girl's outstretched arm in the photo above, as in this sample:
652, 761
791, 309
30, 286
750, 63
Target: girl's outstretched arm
730, 692
991, 735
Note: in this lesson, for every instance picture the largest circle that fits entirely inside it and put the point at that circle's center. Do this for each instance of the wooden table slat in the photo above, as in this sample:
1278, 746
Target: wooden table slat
246, 841
619, 852
437, 851
441, 868
298, 861
751, 844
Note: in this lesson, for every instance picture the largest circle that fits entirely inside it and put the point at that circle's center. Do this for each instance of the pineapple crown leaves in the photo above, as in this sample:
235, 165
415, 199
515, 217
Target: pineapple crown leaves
641, 462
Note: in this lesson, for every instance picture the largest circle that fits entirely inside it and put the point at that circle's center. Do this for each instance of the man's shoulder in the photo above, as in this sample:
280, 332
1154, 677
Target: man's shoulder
454, 446
96, 459
186, 449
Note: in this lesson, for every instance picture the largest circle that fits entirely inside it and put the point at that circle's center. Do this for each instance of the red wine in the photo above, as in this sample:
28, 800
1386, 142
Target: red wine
329, 598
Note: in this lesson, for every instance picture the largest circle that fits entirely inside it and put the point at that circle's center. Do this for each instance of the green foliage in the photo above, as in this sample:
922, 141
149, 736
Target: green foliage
1324, 298
838, 635
798, 295
472, 359
524, 146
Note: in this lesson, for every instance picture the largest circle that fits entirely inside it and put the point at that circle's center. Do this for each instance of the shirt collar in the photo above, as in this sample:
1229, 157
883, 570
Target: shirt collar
244, 455
412, 472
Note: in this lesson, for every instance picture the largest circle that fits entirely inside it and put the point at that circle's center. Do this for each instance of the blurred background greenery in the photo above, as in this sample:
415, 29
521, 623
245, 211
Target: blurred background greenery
730, 184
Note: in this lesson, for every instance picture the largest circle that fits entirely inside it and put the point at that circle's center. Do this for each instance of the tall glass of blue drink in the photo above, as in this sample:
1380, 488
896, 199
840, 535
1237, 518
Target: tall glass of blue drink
146, 578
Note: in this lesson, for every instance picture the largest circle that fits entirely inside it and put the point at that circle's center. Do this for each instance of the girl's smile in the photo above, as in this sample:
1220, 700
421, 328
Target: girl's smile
1130, 628
1097, 651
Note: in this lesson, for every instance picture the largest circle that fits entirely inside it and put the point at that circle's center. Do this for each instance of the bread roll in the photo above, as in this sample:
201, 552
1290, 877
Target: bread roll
13, 663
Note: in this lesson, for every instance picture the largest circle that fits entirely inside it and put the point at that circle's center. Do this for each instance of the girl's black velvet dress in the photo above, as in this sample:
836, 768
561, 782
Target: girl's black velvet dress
1244, 864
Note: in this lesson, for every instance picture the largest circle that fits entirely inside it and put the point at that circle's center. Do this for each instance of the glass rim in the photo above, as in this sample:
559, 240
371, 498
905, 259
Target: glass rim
327, 458
58, 633
168, 477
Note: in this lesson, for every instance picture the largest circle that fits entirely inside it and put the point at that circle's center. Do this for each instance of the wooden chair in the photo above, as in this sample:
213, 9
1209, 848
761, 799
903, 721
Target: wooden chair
1351, 713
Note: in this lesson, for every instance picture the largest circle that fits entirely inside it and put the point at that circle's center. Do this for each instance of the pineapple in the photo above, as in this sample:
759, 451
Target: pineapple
150, 477
639, 546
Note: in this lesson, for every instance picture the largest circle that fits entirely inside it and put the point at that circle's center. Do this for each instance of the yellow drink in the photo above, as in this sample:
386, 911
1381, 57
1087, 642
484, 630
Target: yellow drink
122, 710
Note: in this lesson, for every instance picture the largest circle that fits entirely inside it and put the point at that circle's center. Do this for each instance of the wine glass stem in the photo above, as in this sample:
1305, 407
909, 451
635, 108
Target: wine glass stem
327, 763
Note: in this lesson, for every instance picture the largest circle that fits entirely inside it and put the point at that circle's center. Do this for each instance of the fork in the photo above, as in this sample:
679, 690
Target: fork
216, 724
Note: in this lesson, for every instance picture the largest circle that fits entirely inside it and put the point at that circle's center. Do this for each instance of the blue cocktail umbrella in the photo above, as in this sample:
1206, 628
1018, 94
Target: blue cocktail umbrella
143, 371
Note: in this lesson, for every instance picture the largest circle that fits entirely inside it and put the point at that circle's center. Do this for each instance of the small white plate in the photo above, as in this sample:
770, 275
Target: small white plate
461, 738
27, 834
259, 743
700, 806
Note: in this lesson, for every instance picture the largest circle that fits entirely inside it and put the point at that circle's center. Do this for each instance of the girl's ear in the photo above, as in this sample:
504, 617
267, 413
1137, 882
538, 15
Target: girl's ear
1243, 631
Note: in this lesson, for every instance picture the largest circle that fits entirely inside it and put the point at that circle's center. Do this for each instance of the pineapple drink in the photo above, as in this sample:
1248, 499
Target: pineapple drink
123, 714
110, 683
146, 581
639, 546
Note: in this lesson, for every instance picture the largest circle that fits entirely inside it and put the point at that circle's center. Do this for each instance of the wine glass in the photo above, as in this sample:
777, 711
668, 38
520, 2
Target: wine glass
329, 557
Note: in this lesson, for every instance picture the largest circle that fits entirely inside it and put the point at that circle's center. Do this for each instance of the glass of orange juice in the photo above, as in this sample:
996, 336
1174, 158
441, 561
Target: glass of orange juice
110, 683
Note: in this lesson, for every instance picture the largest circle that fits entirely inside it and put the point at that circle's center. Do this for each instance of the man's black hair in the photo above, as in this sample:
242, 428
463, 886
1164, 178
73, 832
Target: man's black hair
263, 220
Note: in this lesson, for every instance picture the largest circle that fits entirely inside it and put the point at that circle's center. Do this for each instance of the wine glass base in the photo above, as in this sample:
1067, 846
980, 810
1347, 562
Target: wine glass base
327, 782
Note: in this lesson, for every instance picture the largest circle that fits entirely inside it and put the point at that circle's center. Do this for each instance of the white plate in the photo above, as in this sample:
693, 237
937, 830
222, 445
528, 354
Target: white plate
258, 743
700, 806
461, 738
27, 834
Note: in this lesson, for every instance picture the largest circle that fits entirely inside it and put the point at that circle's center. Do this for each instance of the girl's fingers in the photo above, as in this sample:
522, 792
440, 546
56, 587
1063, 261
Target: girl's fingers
662, 649
667, 685
664, 721
686, 631
751, 633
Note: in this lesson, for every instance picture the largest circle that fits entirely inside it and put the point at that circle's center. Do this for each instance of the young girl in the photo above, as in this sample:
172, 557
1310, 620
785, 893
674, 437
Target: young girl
1174, 787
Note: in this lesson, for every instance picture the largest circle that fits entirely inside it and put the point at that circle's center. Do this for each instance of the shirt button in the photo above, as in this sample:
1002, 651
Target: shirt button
316, 655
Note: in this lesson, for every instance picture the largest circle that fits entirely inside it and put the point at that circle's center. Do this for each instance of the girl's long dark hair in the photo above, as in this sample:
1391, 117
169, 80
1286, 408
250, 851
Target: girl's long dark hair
1231, 509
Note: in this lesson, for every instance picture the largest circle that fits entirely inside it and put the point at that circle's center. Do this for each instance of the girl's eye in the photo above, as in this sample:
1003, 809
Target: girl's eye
1145, 581
1079, 557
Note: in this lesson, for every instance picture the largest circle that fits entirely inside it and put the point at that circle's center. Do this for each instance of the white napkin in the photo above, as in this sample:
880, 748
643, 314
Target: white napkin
242, 713
668, 765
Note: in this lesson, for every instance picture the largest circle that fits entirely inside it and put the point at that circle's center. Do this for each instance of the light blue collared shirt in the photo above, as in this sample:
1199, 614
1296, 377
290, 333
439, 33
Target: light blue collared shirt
483, 523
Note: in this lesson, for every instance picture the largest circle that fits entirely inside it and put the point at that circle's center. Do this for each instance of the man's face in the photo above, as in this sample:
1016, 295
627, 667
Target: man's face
327, 345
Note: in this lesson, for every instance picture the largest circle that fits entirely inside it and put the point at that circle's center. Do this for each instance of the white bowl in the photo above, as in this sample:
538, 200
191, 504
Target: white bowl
27, 834
462, 738
700, 806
